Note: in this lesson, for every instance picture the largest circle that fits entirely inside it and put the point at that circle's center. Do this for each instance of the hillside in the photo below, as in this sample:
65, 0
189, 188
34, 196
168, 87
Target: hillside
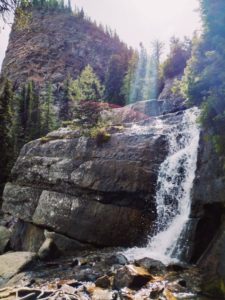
57, 43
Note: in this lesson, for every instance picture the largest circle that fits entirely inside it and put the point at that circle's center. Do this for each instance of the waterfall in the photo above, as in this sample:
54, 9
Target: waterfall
174, 184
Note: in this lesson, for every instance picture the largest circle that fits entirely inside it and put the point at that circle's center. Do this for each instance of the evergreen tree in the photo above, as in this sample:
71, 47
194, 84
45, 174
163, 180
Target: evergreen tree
48, 114
87, 86
69, 6
137, 91
180, 52
34, 120
129, 78
65, 109
114, 80
204, 80
6, 149
152, 85
20, 121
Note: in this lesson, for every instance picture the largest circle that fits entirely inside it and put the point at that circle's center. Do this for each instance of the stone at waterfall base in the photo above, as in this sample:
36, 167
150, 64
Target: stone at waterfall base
103, 282
4, 238
153, 266
14, 262
131, 277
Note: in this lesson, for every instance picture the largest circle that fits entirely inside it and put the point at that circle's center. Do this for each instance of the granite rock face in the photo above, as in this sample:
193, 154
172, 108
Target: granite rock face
208, 212
97, 195
208, 195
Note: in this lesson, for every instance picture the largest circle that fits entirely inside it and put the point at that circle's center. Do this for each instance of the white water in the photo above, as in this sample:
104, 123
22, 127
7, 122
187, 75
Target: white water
174, 184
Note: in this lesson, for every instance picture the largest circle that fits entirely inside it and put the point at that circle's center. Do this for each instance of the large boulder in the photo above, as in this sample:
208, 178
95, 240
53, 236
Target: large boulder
101, 195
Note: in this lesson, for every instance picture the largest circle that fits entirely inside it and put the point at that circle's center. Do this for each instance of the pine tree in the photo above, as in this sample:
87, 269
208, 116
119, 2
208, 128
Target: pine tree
137, 91
6, 149
180, 52
21, 126
19, 122
87, 86
48, 114
204, 80
34, 120
152, 85
129, 78
114, 80
65, 109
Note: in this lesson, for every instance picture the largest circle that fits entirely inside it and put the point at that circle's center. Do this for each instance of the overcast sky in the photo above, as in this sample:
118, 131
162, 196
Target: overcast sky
137, 20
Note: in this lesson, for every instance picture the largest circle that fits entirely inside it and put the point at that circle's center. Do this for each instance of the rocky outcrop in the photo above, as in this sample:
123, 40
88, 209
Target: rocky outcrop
58, 43
100, 195
141, 110
208, 212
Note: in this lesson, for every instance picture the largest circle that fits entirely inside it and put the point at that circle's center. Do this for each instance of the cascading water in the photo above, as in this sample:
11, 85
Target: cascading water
174, 184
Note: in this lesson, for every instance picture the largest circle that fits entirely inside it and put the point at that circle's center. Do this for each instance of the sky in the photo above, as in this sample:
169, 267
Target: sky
137, 20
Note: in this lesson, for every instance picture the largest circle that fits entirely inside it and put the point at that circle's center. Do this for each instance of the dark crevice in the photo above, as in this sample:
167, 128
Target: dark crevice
207, 227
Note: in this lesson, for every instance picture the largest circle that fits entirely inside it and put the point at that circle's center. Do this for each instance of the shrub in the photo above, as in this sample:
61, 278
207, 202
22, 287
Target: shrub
100, 135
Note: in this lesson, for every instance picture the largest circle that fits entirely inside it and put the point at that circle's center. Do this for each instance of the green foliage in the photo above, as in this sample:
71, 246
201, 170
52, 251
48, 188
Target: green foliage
129, 78
137, 92
153, 74
142, 80
34, 119
22, 16
48, 113
87, 113
180, 52
204, 80
6, 149
100, 134
65, 108
52, 5
114, 80
87, 86
20, 120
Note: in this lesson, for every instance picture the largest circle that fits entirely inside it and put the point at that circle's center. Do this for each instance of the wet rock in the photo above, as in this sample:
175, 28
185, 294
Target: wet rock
182, 283
154, 267
103, 282
154, 294
131, 277
13, 263
4, 238
26, 237
207, 197
212, 265
48, 250
116, 259
176, 287
87, 274
177, 267
65, 245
